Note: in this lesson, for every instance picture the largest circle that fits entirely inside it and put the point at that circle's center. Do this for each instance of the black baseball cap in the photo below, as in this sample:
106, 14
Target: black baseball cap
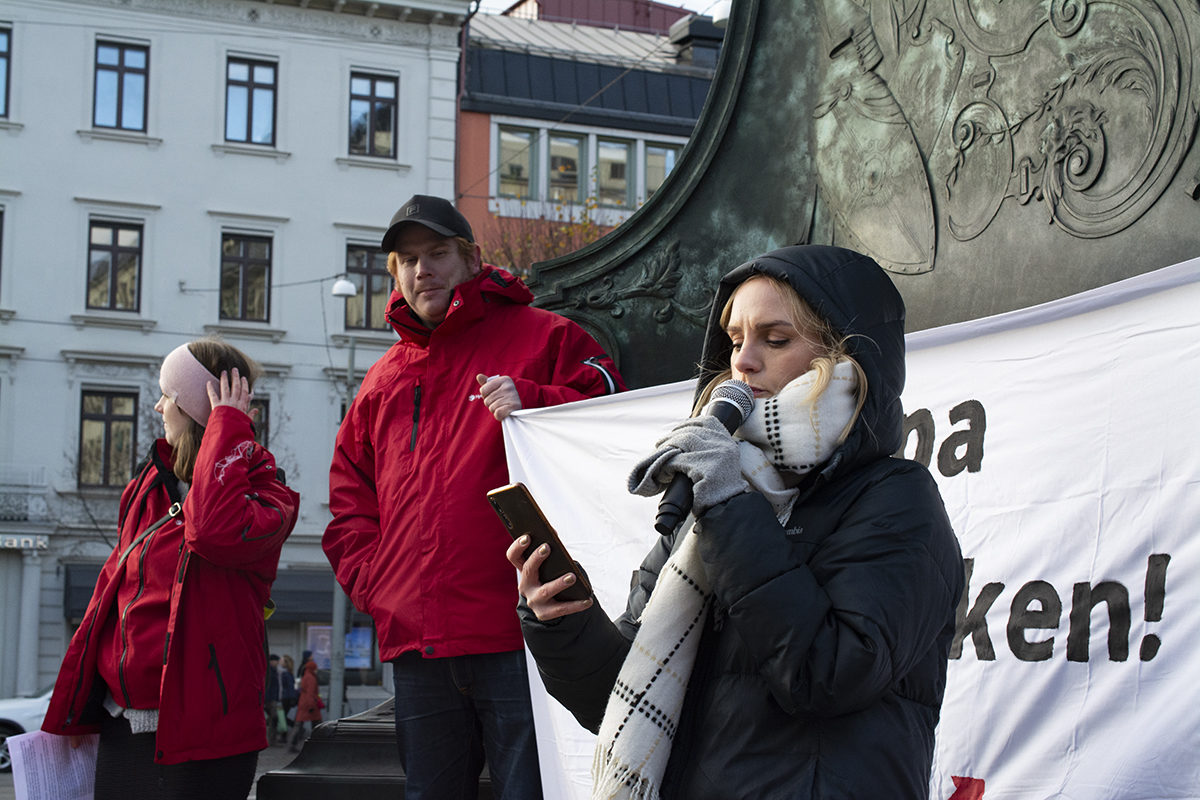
439, 215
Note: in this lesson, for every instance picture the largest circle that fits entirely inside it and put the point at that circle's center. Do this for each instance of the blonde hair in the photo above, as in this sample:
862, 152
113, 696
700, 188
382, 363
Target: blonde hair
217, 356
832, 347
466, 249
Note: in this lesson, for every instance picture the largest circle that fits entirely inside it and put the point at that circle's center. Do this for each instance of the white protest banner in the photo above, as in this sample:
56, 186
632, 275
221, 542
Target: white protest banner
575, 459
1064, 440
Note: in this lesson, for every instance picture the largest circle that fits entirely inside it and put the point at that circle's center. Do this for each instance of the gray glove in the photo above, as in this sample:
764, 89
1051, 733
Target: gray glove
703, 450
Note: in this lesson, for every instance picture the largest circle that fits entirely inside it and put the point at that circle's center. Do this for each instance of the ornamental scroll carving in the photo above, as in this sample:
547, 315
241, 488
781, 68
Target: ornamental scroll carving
930, 115
658, 281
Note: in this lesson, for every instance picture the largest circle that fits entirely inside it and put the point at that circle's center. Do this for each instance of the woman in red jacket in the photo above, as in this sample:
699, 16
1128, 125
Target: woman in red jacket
169, 662
308, 707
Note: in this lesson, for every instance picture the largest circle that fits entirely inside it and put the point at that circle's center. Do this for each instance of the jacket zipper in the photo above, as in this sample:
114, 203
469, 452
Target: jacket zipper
216, 668
184, 555
183, 560
412, 442
71, 710
124, 615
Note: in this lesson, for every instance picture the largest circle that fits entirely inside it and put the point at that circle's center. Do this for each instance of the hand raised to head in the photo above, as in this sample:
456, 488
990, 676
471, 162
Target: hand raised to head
234, 390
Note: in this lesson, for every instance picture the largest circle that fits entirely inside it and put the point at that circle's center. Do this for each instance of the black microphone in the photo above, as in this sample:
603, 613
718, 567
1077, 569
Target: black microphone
731, 402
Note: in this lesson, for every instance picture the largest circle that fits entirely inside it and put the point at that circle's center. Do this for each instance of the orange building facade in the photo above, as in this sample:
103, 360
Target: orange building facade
565, 130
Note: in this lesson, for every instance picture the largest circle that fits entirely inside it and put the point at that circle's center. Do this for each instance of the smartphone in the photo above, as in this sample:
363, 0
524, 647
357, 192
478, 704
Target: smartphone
521, 515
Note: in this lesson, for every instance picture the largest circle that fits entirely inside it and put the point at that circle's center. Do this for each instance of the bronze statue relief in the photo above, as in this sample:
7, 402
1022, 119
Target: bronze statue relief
992, 154
1083, 106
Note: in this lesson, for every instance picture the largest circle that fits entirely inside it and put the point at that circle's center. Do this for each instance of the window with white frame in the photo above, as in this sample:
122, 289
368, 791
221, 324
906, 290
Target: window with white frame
518, 154
554, 171
372, 115
568, 179
250, 88
122, 77
660, 161
614, 167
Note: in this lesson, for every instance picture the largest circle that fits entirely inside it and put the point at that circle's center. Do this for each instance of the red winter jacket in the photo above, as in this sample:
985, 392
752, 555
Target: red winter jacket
191, 595
413, 540
308, 707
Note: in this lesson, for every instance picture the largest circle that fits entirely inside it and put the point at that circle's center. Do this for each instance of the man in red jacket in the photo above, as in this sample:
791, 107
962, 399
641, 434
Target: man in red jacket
413, 540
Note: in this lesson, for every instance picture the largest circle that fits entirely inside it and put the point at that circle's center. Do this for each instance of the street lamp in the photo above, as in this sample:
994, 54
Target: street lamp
345, 289
337, 657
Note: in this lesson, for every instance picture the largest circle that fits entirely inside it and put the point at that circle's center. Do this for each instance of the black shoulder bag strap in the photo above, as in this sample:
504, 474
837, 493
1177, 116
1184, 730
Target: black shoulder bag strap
174, 511
166, 479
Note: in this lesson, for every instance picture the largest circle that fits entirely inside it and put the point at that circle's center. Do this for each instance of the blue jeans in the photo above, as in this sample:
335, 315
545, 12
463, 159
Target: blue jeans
452, 712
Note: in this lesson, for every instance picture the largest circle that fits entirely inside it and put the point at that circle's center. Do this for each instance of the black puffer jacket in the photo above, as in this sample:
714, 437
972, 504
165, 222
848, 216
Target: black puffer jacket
822, 666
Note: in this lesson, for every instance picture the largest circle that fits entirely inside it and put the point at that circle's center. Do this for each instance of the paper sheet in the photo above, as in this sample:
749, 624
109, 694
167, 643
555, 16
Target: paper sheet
46, 767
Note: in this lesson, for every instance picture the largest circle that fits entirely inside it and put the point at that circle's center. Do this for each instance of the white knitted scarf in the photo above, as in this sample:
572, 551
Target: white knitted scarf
789, 432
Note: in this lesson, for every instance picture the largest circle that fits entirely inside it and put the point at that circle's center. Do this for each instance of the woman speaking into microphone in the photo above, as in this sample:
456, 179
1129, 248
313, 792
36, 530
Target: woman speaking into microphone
790, 638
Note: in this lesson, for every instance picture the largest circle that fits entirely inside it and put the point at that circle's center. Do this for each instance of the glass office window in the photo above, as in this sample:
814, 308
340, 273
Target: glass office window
566, 168
518, 151
660, 160
614, 159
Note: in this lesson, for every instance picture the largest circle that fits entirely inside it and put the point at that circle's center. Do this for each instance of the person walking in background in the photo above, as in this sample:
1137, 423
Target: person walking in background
790, 639
288, 693
168, 664
413, 540
271, 707
308, 707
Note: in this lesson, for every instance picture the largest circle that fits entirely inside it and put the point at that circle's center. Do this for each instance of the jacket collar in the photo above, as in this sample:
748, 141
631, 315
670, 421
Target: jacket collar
491, 285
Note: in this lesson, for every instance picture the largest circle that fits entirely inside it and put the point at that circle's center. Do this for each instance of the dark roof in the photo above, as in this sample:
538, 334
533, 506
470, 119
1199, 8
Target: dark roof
581, 75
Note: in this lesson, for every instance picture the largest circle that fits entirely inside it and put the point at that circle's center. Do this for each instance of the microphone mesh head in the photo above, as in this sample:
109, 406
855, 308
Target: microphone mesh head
737, 392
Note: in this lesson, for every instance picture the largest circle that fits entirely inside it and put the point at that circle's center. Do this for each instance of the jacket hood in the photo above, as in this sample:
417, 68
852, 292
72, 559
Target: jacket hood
858, 299
492, 284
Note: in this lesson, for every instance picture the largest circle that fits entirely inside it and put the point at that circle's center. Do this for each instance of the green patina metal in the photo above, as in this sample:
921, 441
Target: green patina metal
990, 156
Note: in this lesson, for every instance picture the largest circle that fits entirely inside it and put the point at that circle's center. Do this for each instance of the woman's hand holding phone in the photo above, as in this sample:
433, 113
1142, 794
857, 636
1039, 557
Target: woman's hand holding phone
542, 598
551, 582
